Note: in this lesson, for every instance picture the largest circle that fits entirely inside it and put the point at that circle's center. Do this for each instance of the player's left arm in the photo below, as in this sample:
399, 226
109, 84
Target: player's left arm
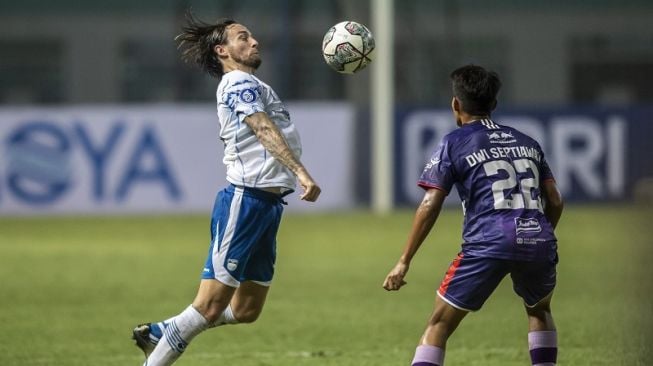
553, 203
549, 192
425, 217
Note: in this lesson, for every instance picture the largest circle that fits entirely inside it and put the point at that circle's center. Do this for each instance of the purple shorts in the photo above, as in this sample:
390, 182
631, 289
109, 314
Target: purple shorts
470, 280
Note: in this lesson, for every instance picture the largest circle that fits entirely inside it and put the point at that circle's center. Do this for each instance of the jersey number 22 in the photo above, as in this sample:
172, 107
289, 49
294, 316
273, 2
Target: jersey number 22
523, 198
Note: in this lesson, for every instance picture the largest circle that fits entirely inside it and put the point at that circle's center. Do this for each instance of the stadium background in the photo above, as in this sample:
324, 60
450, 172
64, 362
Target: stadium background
109, 164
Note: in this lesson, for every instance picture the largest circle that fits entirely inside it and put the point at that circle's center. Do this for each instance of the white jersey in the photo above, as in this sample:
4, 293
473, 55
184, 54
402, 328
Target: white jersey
248, 163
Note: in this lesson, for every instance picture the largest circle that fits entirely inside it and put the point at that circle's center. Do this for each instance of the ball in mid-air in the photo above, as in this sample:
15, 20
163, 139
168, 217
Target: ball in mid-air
348, 47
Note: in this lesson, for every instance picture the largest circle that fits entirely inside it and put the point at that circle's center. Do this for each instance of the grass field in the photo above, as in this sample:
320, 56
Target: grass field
71, 289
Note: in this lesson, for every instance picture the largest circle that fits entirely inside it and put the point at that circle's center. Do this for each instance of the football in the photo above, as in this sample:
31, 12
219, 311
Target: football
348, 47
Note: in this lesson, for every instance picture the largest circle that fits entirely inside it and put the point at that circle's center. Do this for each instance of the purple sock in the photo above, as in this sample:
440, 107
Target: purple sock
426, 355
543, 346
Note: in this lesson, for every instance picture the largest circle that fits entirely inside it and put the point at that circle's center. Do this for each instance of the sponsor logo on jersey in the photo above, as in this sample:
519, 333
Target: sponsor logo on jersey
527, 225
433, 162
232, 264
500, 137
248, 96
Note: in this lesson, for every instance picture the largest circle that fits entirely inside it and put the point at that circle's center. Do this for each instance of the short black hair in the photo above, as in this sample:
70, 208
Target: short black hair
197, 40
476, 88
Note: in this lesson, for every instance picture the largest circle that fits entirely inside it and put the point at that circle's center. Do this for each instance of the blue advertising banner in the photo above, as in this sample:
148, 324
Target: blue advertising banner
149, 159
597, 154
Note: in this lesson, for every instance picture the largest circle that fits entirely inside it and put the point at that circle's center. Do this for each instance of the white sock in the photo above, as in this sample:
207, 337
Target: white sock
156, 329
427, 355
543, 347
176, 337
227, 317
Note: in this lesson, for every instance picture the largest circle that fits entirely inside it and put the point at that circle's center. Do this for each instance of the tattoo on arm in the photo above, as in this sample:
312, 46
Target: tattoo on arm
273, 141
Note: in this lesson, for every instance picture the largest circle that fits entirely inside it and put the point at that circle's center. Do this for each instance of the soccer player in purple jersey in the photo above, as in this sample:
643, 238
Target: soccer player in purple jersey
511, 206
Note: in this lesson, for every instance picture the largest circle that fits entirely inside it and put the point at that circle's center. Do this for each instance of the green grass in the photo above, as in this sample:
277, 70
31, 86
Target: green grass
71, 289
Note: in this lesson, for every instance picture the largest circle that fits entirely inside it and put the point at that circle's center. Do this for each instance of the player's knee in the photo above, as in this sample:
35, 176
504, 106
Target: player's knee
210, 310
442, 324
541, 311
247, 315
210, 313
539, 314
446, 316
542, 308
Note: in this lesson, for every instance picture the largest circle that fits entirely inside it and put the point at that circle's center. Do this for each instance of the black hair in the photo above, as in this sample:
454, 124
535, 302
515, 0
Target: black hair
476, 89
197, 40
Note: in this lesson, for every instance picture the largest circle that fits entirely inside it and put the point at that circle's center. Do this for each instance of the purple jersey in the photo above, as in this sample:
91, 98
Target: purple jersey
497, 171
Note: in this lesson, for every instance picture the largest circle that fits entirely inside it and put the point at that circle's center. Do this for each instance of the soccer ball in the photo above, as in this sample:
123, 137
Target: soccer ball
348, 47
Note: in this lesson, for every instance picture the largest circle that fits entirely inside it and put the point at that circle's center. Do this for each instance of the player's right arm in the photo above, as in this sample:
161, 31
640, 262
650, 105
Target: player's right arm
273, 141
553, 203
425, 217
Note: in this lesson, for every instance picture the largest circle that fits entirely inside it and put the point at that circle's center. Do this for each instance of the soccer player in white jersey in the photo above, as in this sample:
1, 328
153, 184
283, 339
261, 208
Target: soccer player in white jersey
262, 156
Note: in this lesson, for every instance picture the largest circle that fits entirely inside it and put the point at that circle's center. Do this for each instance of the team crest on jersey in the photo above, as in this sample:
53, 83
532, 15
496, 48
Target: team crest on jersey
499, 137
247, 96
232, 264
527, 225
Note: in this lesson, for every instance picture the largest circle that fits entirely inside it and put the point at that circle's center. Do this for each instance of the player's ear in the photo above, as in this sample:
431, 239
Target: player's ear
455, 104
220, 50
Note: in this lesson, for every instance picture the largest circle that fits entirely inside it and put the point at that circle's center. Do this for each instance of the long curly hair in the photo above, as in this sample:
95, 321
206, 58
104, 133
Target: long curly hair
197, 40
